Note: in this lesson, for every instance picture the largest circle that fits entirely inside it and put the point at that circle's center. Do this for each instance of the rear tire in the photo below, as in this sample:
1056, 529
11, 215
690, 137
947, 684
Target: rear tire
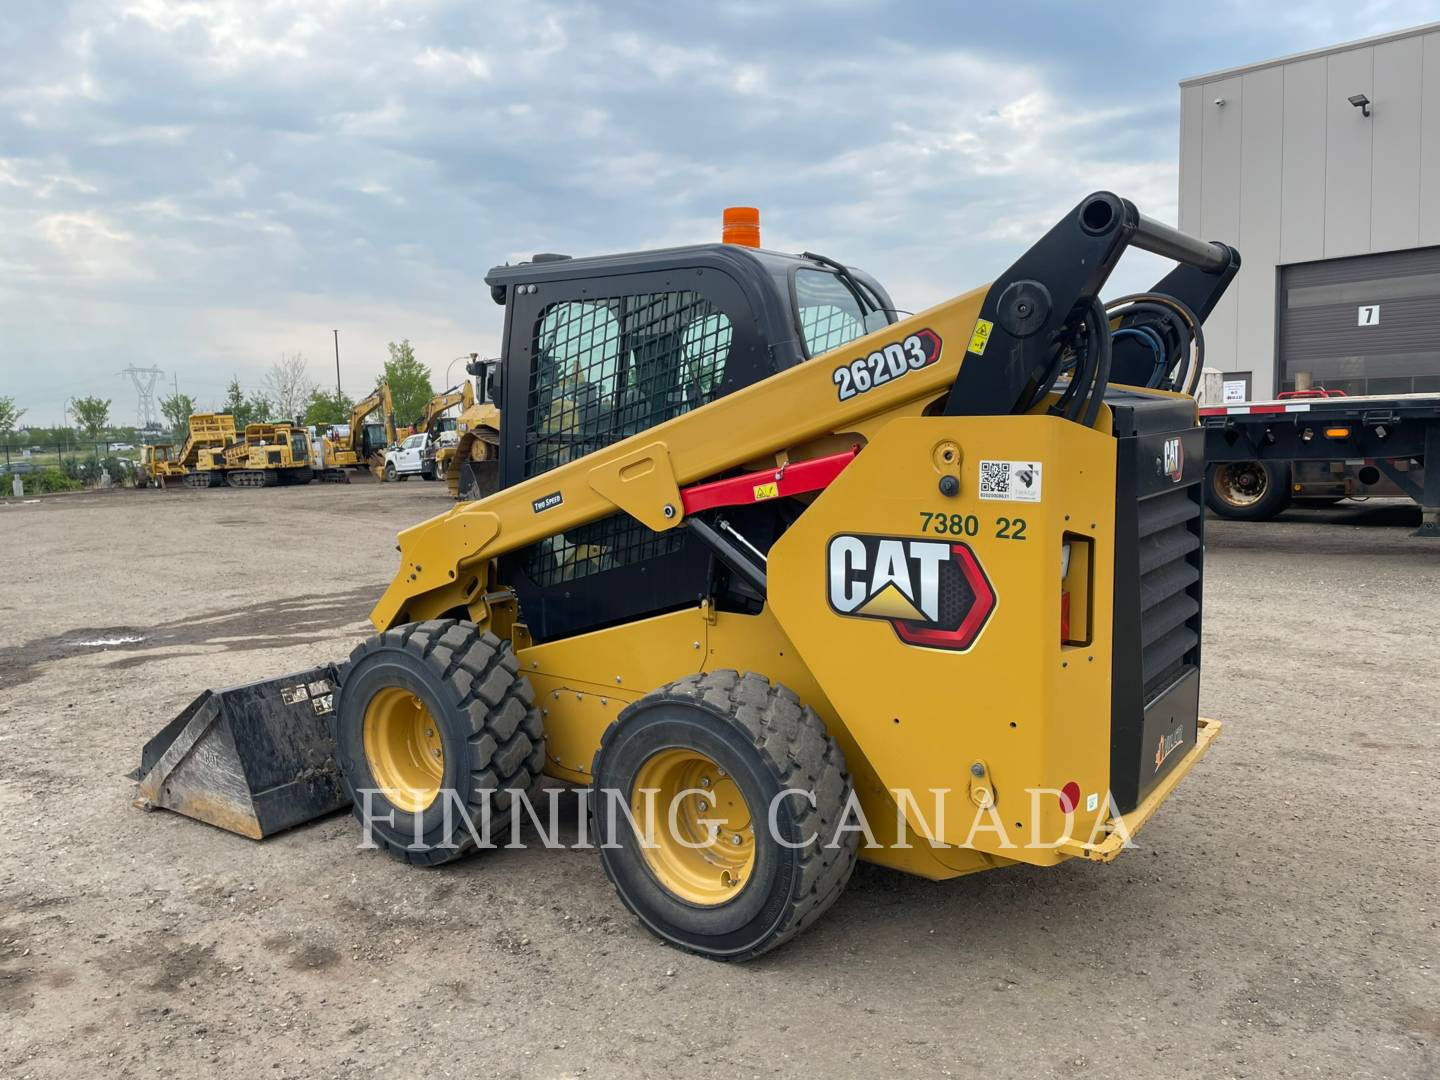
1248, 490
477, 737
752, 745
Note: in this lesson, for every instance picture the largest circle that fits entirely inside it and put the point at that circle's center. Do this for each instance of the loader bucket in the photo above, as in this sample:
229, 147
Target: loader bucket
253, 759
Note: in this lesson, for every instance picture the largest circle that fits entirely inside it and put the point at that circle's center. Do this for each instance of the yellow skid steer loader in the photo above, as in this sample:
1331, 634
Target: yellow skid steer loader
773, 571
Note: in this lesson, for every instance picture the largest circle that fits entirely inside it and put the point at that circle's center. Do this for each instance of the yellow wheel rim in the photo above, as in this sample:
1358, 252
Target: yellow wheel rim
701, 843
403, 748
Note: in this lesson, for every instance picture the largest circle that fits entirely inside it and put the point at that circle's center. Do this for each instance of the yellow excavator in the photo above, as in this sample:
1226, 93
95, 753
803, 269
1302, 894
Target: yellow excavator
363, 444
781, 578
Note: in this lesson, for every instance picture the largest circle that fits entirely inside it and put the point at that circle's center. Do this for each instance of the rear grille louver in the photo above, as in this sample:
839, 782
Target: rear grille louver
1169, 586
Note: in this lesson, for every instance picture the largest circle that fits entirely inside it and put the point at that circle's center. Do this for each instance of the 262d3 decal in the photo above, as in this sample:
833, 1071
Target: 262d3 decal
886, 364
933, 592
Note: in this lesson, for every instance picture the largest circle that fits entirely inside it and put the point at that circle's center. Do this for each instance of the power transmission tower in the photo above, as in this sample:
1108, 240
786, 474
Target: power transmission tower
144, 380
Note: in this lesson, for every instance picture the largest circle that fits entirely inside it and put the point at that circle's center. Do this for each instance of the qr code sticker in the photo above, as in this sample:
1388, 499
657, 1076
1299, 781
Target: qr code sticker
1010, 481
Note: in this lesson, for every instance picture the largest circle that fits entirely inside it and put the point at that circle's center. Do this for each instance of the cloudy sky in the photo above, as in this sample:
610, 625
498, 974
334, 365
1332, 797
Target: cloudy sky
203, 185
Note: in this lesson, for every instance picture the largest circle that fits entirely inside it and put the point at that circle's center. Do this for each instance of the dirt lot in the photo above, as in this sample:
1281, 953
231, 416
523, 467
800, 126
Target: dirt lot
1279, 919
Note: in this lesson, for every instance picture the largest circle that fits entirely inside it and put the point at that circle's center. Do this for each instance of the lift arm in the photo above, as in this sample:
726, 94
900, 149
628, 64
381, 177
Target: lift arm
444, 561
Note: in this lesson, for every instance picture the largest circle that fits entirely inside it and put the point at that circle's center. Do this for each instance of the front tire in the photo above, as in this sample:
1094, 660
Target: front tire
1248, 490
390, 472
751, 746
436, 723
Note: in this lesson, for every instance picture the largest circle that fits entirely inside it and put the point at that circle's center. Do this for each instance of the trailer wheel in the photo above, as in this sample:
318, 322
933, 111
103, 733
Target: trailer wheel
435, 729
1248, 490
725, 756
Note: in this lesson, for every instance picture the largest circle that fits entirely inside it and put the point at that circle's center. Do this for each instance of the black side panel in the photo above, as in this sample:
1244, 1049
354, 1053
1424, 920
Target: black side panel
1159, 548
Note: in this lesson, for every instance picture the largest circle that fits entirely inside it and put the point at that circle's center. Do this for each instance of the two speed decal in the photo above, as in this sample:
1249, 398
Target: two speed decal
886, 364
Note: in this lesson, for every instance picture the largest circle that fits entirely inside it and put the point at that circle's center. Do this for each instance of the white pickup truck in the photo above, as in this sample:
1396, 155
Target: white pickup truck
408, 458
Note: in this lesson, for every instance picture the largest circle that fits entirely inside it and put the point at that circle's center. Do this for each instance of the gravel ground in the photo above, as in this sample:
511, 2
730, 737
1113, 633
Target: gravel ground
1278, 920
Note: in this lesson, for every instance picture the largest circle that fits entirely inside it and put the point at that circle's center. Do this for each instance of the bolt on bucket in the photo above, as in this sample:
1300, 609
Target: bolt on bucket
253, 759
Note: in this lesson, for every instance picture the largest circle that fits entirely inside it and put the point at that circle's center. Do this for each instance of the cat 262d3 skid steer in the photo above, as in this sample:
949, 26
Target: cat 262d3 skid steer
774, 569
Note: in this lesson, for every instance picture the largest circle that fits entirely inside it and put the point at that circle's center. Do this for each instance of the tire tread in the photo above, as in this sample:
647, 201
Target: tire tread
481, 678
796, 748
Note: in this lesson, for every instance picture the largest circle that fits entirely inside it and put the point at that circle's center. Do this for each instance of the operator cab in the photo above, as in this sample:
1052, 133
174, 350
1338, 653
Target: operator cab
599, 349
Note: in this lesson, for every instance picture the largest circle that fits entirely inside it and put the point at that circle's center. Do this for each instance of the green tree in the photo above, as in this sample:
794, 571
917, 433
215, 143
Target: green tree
409, 382
328, 408
234, 396
9, 418
259, 409
91, 414
254, 409
177, 409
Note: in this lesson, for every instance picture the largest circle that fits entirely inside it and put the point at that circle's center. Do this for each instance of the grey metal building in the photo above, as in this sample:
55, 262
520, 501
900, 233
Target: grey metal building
1323, 169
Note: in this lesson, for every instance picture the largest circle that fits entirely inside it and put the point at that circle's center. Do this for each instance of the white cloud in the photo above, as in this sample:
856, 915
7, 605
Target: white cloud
207, 183
449, 63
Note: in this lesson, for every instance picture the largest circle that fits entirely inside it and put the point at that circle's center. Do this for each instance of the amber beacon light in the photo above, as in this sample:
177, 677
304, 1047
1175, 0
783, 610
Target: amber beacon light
741, 226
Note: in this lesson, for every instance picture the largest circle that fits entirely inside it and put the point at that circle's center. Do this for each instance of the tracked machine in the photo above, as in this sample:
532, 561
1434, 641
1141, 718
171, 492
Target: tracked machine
773, 559
268, 455
471, 465
205, 442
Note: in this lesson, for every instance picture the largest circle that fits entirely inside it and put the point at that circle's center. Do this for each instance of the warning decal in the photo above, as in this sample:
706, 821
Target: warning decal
981, 337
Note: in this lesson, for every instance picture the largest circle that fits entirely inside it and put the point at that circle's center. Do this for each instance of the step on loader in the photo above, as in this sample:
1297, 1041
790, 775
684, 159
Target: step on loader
783, 577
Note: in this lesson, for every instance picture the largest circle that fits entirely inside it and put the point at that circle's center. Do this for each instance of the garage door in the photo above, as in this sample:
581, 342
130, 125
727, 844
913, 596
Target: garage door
1366, 325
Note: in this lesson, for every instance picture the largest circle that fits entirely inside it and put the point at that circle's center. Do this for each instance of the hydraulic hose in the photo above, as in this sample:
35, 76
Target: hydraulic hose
1195, 361
1100, 329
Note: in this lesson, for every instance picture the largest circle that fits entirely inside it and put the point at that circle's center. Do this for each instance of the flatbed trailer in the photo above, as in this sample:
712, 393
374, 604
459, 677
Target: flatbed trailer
1319, 447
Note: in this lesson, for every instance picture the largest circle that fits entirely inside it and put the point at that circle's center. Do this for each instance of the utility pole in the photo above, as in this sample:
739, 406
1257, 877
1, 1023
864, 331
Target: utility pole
337, 366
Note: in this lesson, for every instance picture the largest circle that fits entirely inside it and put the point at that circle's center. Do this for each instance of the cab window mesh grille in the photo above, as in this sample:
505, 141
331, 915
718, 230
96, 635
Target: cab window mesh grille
618, 540
606, 369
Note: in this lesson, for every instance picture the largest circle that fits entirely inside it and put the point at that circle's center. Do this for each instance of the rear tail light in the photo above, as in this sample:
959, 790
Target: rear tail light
1076, 556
